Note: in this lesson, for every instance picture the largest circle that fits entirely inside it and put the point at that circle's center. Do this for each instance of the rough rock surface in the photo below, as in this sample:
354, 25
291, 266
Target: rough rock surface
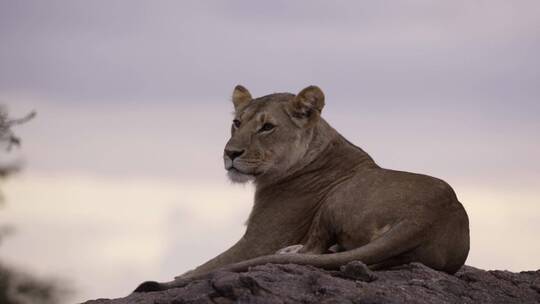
354, 283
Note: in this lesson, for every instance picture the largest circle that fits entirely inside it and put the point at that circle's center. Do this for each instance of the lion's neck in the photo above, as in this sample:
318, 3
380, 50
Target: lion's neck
282, 202
328, 152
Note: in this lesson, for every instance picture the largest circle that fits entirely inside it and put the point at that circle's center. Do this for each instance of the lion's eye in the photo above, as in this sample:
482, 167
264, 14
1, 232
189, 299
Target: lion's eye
266, 127
236, 123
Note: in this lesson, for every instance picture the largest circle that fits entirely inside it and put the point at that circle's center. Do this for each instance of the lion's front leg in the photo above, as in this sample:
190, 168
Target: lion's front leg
238, 252
185, 274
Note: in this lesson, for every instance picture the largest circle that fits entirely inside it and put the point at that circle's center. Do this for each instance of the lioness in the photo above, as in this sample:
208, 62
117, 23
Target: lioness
323, 201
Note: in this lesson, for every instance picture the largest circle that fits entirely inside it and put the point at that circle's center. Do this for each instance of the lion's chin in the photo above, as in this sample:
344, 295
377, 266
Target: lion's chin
238, 177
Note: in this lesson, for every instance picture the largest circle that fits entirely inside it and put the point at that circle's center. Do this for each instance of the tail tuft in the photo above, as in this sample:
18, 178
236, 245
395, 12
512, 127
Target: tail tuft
149, 286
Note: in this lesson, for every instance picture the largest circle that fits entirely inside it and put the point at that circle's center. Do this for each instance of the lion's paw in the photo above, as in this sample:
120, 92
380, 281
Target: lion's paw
290, 249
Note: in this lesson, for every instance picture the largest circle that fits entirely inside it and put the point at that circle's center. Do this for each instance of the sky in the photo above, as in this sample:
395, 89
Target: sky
123, 178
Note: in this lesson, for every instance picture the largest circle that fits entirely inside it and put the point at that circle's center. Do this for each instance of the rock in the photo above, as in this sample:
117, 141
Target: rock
354, 283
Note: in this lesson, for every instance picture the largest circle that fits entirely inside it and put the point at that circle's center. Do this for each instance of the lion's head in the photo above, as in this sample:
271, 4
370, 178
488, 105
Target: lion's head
270, 134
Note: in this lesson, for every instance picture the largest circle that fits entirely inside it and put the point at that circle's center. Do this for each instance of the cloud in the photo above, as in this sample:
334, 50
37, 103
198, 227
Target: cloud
500, 223
179, 51
109, 234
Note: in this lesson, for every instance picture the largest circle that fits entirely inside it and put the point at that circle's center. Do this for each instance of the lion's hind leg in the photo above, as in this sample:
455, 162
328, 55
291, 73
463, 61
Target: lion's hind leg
394, 247
392, 262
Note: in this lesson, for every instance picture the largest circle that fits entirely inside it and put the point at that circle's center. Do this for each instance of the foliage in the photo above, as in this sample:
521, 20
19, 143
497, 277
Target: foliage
21, 288
7, 137
17, 287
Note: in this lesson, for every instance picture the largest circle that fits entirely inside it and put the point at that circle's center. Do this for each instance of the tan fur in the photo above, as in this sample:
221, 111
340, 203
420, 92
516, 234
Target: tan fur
241, 97
317, 190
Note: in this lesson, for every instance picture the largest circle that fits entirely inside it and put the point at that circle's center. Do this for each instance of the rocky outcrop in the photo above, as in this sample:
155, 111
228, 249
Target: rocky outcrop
354, 283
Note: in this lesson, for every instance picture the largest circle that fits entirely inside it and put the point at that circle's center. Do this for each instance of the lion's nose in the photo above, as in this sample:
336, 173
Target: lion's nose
232, 154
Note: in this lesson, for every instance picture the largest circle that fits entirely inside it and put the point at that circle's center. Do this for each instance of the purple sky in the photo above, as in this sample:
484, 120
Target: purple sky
471, 67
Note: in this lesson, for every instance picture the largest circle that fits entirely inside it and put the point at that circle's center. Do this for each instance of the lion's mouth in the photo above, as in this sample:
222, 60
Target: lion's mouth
239, 176
233, 169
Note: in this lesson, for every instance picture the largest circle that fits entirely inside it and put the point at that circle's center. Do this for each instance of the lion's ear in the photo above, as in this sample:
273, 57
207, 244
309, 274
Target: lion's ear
241, 97
308, 104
